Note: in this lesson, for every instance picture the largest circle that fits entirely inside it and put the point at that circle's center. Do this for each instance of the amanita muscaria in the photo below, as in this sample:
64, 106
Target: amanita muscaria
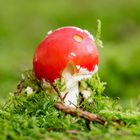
67, 52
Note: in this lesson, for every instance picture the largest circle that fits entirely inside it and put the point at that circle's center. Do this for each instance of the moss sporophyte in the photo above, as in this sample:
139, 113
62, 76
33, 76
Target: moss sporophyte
63, 96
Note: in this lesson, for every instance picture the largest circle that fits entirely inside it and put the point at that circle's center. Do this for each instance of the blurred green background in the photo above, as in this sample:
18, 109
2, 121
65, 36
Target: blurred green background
24, 23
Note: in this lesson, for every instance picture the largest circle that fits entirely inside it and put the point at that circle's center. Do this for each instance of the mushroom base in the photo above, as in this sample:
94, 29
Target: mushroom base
71, 97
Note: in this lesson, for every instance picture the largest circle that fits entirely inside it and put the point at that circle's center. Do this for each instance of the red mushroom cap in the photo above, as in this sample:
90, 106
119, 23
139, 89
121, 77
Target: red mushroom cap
62, 46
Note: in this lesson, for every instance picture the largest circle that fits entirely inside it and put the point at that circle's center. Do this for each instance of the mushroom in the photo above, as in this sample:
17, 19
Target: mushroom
67, 52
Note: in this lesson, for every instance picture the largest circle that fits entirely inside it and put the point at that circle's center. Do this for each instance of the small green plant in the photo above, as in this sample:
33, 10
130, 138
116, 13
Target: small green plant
98, 41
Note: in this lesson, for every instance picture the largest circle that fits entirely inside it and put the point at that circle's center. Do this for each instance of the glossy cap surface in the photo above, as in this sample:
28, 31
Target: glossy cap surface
62, 46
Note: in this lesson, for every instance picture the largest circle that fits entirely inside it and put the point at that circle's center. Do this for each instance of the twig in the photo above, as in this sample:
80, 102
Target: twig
79, 112
72, 103
119, 122
71, 131
57, 91
65, 96
19, 88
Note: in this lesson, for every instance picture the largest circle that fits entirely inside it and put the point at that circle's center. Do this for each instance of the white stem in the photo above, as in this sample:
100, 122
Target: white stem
72, 94
72, 89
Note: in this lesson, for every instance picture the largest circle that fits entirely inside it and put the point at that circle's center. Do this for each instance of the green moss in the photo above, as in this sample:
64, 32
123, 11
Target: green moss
33, 116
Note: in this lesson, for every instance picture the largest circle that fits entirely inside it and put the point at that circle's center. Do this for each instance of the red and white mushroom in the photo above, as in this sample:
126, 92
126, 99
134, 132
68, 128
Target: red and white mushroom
69, 52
